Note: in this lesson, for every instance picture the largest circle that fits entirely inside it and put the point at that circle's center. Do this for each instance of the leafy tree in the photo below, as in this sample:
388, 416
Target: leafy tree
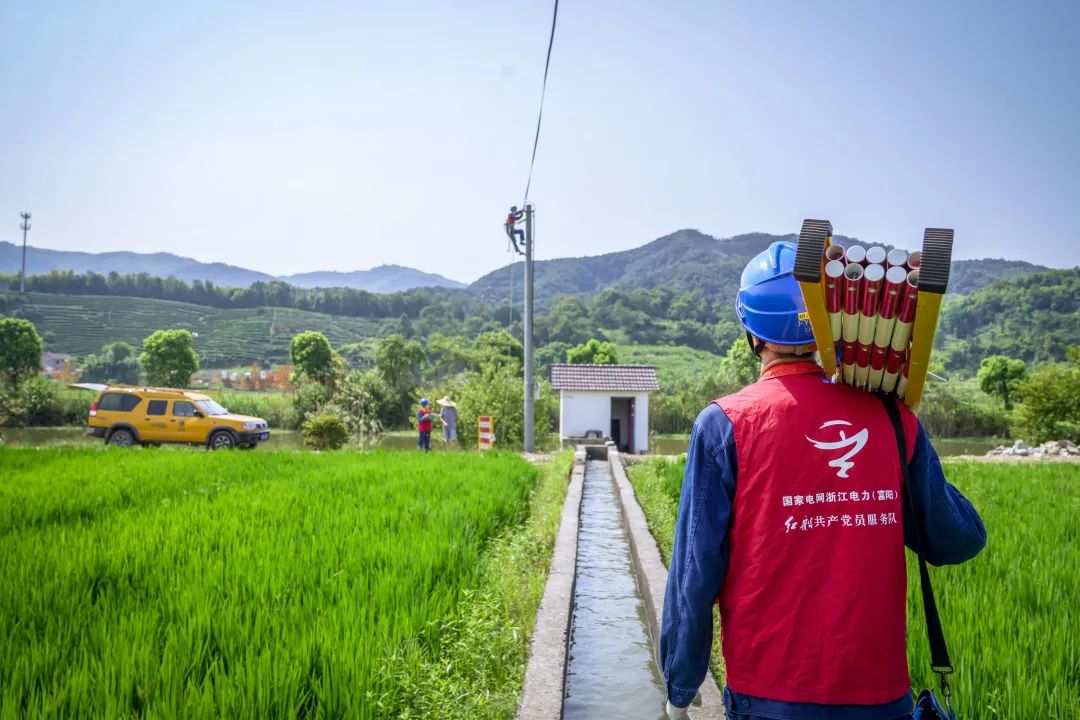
1050, 408
399, 361
447, 356
593, 352
310, 352
360, 404
999, 375
309, 397
168, 358
958, 409
568, 322
325, 431
116, 363
499, 347
382, 401
744, 366
360, 355
20, 350
550, 354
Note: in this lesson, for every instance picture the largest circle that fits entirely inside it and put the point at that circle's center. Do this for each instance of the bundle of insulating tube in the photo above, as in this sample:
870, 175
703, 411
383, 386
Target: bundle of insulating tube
870, 295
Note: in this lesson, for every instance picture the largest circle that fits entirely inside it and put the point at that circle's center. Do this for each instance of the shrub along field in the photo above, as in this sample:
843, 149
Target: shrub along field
173, 584
1010, 615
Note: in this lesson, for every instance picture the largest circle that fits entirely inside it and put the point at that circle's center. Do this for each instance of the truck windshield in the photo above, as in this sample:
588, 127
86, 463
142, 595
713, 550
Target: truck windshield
211, 408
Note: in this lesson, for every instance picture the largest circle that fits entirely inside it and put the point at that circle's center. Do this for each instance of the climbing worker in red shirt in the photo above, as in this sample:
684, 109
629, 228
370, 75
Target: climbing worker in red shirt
792, 521
423, 425
516, 236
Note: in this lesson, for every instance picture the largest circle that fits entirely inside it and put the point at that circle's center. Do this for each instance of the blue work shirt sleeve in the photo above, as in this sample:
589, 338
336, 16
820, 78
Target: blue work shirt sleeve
952, 528
699, 559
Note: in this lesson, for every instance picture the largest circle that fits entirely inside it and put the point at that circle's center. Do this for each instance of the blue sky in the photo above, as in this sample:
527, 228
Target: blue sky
290, 138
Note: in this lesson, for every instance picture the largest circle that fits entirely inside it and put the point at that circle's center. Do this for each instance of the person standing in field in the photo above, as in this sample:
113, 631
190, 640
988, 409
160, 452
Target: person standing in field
423, 425
792, 520
449, 416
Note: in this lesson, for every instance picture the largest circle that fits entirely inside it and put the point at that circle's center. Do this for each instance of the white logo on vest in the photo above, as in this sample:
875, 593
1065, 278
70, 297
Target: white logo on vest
856, 442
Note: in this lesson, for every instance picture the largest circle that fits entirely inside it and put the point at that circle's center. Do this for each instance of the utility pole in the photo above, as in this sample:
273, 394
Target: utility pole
529, 371
25, 229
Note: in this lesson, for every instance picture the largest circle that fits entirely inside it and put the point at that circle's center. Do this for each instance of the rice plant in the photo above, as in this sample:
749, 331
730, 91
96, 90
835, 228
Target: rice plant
1011, 615
270, 585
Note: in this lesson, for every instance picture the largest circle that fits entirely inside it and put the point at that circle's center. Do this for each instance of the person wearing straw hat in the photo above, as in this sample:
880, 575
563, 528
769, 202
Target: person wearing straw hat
791, 520
449, 415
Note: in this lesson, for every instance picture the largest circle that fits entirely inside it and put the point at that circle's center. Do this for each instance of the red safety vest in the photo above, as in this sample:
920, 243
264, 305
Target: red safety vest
423, 422
813, 604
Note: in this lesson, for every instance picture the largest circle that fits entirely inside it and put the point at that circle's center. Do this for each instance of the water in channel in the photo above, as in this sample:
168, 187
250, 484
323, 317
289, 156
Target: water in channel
611, 672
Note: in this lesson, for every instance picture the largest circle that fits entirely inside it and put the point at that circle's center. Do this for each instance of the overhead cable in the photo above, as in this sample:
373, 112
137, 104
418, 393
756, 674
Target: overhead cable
540, 115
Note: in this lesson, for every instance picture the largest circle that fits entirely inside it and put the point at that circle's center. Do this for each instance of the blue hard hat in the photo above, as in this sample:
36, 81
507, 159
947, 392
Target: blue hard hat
769, 304
424, 401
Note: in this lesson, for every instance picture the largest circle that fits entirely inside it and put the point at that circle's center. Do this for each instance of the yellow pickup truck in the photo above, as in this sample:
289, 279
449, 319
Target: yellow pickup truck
151, 416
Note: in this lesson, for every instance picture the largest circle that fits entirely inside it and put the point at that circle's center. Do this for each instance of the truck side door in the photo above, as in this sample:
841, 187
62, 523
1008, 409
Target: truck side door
154, 426
190, 425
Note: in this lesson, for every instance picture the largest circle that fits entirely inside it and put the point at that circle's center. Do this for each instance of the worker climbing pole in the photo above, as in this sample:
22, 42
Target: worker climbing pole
526, 237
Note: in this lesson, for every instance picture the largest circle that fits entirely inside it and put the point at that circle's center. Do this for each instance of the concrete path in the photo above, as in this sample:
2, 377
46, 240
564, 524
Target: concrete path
545, 675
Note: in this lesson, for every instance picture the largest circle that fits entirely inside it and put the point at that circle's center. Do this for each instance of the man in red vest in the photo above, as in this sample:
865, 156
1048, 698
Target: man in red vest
423, 425
792, 520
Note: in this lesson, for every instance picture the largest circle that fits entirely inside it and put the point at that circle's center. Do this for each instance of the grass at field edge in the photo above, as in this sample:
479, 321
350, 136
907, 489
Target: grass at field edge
480, 667
994, 607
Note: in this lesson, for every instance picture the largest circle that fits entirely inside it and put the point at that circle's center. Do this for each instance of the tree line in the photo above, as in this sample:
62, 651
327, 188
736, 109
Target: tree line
1033, 318
275, 293
365, 387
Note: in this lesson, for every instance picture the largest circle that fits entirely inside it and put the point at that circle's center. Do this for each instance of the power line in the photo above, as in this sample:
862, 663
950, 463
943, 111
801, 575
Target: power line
540, 115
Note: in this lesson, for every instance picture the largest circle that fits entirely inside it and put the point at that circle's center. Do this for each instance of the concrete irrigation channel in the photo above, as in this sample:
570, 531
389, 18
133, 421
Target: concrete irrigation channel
594, 645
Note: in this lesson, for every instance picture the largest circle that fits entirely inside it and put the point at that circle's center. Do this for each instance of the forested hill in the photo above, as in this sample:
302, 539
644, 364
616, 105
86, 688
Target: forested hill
689, 260
967, 276
683, 261
41, 261
1035, 318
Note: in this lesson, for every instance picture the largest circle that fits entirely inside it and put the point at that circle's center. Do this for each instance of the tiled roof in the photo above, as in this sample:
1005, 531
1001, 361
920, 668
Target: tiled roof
622, 378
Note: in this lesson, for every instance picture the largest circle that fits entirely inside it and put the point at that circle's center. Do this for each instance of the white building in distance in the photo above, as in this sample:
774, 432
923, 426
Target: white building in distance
609, 401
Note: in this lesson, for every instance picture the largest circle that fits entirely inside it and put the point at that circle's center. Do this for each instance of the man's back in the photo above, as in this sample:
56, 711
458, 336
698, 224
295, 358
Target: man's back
792, 517
815, 589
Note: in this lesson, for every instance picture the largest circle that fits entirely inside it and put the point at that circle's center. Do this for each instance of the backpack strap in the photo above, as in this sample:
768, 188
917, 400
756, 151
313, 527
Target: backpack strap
939, 653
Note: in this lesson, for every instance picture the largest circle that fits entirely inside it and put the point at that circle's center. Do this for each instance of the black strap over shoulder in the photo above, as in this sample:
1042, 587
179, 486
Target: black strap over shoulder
939, 653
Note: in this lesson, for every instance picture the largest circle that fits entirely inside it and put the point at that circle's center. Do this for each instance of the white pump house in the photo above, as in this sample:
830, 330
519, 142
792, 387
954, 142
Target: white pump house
605, 401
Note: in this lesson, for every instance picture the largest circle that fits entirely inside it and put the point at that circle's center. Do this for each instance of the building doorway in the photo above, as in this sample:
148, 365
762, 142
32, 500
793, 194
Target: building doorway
622, 423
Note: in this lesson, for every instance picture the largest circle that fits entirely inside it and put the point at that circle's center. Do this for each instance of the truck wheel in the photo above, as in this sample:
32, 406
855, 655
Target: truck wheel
121, 437
222, 440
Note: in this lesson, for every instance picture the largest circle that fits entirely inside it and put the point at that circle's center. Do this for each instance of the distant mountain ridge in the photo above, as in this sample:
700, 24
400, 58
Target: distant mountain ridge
41, 261
685, 260
688, 260
381, 279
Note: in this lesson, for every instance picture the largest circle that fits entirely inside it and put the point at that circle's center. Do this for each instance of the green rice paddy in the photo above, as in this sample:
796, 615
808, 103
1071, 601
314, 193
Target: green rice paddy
1011, 615
171, 584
